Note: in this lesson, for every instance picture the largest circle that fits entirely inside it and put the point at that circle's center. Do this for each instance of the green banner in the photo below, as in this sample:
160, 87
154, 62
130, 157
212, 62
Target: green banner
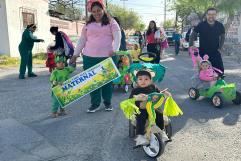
86, 82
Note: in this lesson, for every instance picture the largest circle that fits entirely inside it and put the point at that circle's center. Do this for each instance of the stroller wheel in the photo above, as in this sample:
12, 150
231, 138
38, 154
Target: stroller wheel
126, 88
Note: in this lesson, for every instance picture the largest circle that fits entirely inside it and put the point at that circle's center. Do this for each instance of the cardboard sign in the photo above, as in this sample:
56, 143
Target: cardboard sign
89, 80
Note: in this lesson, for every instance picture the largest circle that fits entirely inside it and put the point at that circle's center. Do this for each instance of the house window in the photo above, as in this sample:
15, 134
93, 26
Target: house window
28, 18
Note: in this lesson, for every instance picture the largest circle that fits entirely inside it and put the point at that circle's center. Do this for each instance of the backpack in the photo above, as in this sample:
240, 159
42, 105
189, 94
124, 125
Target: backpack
68, 45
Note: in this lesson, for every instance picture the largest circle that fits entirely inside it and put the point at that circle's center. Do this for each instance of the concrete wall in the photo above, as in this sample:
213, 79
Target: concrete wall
69, 27
233, 36
11, 25
4, 40
15, 23
234, 31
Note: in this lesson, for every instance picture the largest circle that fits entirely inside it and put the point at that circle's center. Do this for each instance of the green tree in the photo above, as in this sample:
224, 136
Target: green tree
168, 24
70, 9
184, 8
128, 18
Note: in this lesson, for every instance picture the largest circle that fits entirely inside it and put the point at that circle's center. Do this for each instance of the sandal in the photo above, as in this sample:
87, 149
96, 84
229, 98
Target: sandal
62, 112
54, 114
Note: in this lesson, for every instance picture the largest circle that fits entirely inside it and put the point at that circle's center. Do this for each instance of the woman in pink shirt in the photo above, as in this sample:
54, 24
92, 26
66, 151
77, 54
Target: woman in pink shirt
152, 45
100, 39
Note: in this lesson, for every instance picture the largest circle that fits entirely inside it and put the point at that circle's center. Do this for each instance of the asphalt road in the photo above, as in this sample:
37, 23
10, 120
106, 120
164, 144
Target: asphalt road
28, 133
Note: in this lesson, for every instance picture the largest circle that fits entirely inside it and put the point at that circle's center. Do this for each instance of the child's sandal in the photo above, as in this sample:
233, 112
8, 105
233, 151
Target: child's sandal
54, 115
62, 112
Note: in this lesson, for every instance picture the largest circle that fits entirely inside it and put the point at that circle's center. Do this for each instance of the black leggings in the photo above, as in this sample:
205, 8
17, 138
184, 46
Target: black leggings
142, 118
152, 48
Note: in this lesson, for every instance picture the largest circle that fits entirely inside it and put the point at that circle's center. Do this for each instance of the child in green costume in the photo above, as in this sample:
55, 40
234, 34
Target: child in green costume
58, 76
144, 87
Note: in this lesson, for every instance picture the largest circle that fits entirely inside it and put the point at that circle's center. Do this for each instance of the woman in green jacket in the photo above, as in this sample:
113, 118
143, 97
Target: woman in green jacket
25, 49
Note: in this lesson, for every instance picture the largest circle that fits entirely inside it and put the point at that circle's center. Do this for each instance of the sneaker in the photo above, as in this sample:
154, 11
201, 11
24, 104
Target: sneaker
32, 75
93, 109
54, 114
141, 140
62, 112
21, 77
108, 108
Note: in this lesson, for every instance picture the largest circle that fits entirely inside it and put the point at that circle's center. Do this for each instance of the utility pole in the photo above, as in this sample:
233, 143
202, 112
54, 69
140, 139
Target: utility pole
86, 11
165, 10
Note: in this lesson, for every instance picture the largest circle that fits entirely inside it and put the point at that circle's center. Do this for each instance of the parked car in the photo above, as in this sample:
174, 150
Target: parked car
169, 33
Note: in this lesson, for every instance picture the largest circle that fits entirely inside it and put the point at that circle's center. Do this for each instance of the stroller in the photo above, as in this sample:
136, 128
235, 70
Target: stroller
145, 59
123, 64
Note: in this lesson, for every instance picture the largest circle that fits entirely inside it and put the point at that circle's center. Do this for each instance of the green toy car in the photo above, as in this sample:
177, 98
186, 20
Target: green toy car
218, 93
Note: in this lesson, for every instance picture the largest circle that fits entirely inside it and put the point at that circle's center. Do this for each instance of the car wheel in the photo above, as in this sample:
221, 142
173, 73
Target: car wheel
217, 100
193, 93
237, 100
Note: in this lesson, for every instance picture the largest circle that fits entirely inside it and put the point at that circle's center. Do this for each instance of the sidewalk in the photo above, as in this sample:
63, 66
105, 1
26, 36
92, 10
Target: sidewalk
37, 68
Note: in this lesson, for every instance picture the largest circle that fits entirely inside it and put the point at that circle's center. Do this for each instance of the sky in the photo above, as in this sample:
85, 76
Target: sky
147, 9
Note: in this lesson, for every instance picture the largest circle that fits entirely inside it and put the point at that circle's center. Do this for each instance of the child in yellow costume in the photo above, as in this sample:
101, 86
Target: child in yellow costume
144, 87
135, 52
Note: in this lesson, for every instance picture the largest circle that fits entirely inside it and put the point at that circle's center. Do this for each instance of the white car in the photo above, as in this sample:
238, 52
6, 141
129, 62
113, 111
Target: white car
131, 41
184, 43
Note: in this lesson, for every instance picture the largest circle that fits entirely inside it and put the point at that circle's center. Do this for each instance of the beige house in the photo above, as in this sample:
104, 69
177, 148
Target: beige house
15, 15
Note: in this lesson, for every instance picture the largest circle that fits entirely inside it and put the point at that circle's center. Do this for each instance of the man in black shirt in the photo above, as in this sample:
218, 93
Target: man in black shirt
211, 38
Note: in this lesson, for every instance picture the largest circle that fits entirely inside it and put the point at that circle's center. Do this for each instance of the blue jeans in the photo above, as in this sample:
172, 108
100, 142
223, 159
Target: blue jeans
177, 47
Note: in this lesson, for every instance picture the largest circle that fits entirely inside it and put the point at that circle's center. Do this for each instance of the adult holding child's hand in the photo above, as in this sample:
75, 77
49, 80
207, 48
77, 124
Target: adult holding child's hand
100, 39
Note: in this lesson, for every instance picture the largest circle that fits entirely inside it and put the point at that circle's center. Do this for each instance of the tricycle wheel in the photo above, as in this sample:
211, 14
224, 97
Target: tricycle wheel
168, 126
168, 130
193, 93
217, 100
132, 130
237, 100
156, 147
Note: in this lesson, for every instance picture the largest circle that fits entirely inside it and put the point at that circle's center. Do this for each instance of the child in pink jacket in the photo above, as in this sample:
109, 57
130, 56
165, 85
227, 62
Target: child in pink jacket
207, 73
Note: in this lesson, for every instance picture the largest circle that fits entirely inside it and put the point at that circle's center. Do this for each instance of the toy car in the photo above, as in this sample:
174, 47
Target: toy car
218, 93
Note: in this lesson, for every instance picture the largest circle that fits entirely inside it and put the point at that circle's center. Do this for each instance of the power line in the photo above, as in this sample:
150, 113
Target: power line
155, 14
143, 5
